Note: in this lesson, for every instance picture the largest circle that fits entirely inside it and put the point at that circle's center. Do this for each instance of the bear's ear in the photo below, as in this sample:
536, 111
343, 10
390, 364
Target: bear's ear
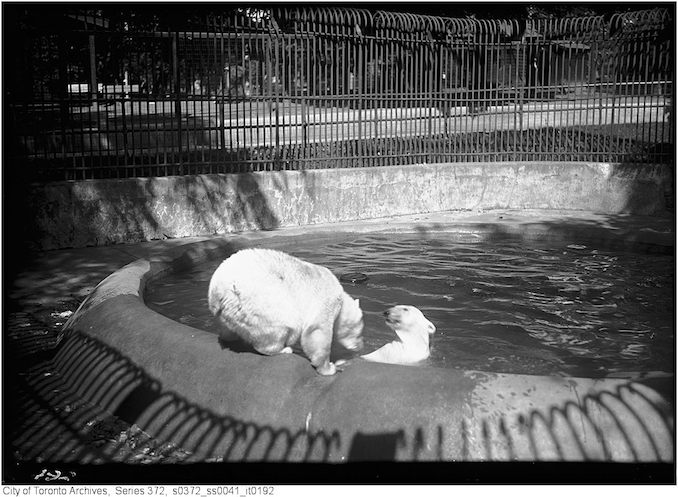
431, 328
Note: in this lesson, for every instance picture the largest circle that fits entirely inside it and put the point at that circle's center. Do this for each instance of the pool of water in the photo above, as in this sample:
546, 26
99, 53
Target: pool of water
553, 308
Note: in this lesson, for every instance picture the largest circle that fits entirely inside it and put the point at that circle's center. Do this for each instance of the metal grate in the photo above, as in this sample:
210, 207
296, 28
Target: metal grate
327, 87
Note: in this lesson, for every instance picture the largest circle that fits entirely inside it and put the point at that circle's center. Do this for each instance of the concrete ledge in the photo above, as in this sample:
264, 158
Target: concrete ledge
178, 385
104, 212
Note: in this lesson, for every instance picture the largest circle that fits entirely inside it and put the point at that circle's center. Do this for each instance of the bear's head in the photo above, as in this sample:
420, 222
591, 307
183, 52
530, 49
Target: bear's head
348, 329
409, 323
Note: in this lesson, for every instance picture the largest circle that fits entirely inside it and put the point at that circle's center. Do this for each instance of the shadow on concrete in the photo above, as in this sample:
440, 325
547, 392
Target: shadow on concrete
54, 276
110, 211
643, 196
95, 379
627, 424
93, 371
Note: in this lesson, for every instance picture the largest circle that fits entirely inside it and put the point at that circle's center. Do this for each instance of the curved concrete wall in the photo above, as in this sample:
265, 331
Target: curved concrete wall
103, 212
178, 385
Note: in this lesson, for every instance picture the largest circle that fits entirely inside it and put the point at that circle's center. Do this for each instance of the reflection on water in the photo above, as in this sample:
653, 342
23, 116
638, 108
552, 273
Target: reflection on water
508, 307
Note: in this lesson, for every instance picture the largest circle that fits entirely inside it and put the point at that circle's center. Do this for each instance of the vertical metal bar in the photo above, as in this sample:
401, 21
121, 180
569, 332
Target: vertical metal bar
259, 121
301, 44
392, 147
338, 85
411, 91
518, 141
367, 98
576, 89
276, 65
487, 115
290, 102
550, 89
473, 61
616, 67
494, 100
652, 78
359, 95
131, 170
520, 85
565, 80
327, 103
160, 95
379, 90
313, 87
645, 91
437, 55
63, 97
399, 89
657, 93
226, 149
492, 93
556, 131
93, 69
414, 92
476, 73
177, 98
405, 98
420, 85
193, 54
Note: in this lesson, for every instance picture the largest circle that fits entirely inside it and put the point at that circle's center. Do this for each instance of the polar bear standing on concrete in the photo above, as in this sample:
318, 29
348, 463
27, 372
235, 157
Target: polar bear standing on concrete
413, 330
272, 300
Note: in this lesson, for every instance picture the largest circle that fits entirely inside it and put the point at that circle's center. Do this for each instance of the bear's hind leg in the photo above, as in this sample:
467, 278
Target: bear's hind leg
317, 344
273, 342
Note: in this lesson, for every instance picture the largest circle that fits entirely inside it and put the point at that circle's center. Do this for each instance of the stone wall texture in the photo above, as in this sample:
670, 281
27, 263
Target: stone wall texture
104, 212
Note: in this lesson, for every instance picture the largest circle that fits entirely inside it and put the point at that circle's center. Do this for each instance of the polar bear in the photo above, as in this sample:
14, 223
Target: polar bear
272, 300
413, 330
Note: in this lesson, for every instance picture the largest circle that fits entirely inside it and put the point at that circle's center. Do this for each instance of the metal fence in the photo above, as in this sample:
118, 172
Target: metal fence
300, 88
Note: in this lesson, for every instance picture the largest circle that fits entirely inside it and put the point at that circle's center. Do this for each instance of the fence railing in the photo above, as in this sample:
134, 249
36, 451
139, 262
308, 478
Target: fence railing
323, 87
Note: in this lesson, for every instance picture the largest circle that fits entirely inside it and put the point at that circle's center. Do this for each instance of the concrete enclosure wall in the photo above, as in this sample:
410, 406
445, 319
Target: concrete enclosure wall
103, 212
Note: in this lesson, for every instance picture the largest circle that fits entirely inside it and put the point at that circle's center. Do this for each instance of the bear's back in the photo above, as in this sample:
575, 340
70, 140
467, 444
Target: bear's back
264, 282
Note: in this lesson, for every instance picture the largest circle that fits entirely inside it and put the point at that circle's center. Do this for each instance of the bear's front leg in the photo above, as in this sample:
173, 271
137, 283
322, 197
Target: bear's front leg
317, 344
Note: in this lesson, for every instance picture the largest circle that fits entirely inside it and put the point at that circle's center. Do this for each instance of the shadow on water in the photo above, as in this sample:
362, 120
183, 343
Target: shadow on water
626, 232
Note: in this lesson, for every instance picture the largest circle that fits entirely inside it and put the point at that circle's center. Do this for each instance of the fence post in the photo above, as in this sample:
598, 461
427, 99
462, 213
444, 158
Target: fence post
219, 97
520, 85
63, 93
177, 96
278, 102
93, 70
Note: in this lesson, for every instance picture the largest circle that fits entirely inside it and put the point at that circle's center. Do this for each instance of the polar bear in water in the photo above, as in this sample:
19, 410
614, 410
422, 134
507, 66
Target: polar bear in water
413, 330
272, 300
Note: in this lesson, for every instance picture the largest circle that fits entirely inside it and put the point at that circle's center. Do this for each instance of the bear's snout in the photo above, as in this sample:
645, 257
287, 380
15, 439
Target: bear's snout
392, 316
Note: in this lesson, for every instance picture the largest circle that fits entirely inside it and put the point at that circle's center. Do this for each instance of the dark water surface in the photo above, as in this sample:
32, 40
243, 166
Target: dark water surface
513, 307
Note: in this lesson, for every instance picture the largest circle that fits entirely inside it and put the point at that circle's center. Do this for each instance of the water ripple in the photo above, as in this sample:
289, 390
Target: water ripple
508, 307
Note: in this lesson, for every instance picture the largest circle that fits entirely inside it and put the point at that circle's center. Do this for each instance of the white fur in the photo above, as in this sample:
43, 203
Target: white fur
272, 300
413, 330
